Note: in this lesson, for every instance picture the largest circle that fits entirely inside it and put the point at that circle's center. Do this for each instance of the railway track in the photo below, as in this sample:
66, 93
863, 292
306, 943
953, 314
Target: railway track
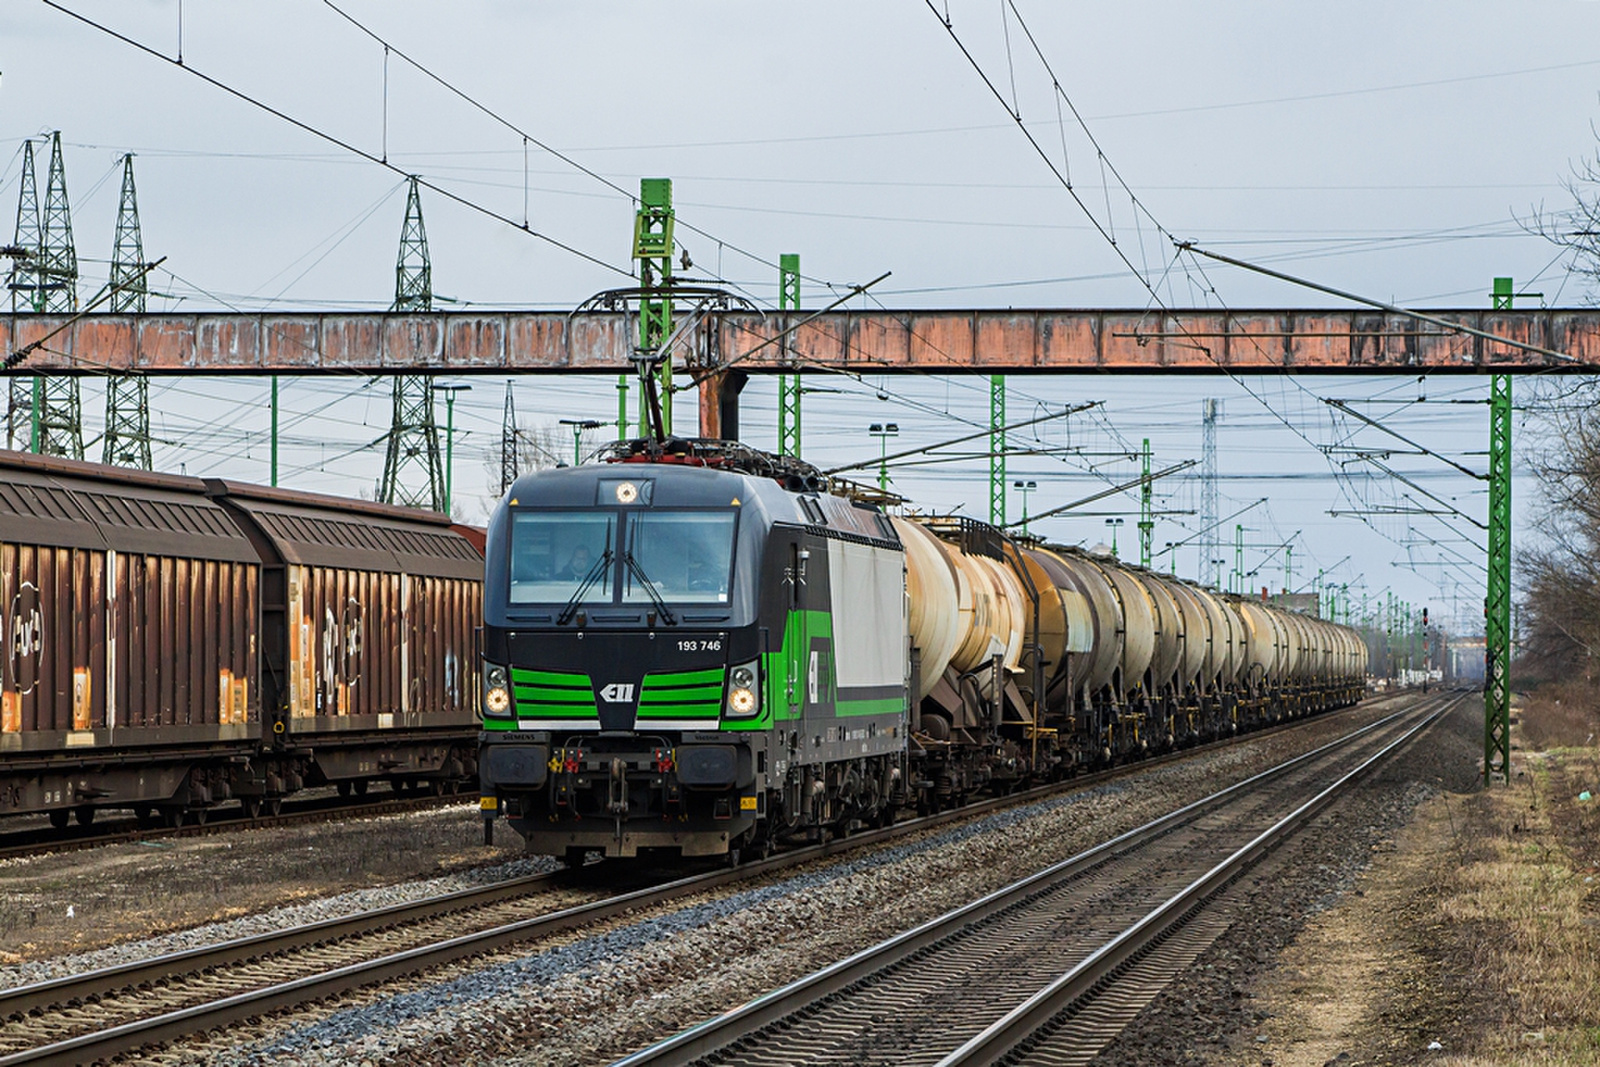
43, 841
38, 842
1049, 969
122, 1009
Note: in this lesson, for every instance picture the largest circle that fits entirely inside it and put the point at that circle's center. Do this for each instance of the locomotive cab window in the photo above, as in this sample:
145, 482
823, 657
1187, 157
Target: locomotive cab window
687, 556
554, 554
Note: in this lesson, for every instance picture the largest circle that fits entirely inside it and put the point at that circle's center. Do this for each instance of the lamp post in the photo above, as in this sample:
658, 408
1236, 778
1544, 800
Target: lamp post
449, 392
1172, 557
1024, 488
578, 426
1217, 564
883, 431
1114, 523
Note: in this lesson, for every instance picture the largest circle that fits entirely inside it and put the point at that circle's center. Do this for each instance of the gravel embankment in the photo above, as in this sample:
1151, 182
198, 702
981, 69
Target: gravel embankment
1207, 1015
313, 911
595, 994
108, 905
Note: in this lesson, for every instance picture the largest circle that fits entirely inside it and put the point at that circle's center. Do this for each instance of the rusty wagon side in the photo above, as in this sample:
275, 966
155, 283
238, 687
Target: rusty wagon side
369, 623
129, 676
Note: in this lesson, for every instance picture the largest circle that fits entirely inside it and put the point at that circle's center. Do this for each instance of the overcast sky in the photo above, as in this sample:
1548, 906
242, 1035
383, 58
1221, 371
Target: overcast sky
1387, 149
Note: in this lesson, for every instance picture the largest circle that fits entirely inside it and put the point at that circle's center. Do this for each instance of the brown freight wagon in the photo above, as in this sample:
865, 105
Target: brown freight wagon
129, 672
369, 630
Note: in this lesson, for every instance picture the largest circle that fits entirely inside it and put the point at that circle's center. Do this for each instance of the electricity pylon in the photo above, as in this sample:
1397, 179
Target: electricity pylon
24, 281
25, 296
413, 469
127, 437
57, 403
508, 444
58, 258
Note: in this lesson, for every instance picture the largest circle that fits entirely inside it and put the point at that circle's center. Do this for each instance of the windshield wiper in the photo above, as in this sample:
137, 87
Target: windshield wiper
649, 587
589, 579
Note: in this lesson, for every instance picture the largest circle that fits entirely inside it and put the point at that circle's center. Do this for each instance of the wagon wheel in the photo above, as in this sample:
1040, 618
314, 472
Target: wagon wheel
59, 817
274, 806
84, 815
344, 790
251, 806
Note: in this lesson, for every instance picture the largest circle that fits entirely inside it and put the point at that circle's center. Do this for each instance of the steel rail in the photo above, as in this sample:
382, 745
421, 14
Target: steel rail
26, 998
25, 843
177, 1024
22, 1000
1012, 1032
720, 1032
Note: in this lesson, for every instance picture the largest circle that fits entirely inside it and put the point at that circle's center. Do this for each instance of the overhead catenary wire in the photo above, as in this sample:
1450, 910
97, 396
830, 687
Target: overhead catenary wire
1138, 207
315, 131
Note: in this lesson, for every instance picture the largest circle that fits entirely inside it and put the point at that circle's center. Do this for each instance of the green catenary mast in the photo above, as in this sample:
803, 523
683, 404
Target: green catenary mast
997, 449
652, 247
1497, 605
1147, 520
789, 384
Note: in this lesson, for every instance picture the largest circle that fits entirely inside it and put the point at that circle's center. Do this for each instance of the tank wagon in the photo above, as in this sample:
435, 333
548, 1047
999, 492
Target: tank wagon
173, 643
700, 648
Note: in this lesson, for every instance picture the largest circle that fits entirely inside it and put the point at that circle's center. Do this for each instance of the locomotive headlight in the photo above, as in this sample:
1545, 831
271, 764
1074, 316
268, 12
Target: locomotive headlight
742, 699
496, 694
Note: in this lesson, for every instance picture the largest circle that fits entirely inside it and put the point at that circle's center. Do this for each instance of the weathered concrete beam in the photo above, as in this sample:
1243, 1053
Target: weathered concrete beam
984, 341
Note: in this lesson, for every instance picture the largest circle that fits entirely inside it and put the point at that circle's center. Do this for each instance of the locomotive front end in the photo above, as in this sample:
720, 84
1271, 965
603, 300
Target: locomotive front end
622, 675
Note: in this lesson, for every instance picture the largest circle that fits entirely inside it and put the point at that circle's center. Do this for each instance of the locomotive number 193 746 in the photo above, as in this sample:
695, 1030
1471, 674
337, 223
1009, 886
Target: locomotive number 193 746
712, 644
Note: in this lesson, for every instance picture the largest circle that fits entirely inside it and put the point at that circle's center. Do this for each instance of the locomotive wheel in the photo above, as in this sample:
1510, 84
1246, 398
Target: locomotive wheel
734, 857
59, 817
84, 815
574, 856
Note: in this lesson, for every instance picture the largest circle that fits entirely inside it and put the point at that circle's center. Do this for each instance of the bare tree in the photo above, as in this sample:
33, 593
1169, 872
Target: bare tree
537, 448
1561, 576
1576, 228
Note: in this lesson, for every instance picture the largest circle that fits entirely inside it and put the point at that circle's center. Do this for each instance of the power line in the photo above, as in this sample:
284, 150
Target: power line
1106, 230
331, 139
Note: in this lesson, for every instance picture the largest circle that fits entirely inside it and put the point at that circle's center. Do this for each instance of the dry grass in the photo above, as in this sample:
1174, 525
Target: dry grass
1522, 907
1481, 931
1561, 715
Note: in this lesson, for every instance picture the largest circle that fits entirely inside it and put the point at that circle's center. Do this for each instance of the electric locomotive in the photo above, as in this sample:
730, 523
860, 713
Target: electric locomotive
694, 648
